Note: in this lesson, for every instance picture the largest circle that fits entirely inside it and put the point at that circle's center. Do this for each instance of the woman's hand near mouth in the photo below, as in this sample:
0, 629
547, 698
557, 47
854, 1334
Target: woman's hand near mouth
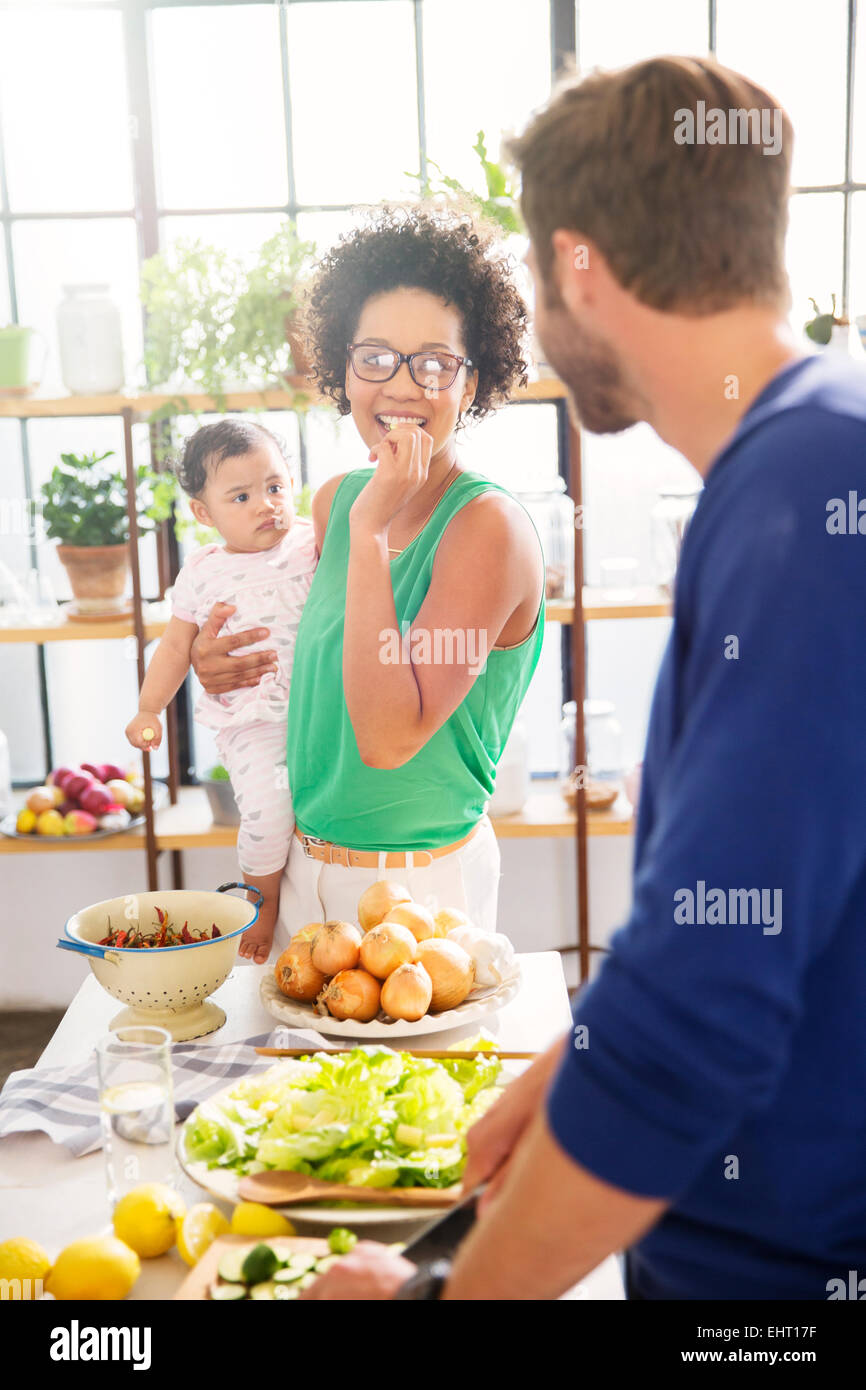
402, 462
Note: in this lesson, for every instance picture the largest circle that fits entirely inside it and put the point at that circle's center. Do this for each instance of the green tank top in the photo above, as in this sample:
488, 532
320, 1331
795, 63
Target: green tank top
440, 793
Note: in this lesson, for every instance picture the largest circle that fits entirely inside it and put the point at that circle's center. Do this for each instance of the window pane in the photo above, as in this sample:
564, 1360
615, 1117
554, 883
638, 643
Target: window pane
49, 255
814, 254
5, 311
481, 75
860, 100
857, 288
803, 66
242, 233
66, 127
354, 101
218, 106
614, 33
326, 228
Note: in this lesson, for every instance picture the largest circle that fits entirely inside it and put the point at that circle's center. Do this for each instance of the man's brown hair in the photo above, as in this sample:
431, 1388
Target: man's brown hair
691, 227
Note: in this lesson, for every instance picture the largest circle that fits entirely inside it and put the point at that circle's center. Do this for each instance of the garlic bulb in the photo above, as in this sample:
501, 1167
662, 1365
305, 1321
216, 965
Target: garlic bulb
491, 953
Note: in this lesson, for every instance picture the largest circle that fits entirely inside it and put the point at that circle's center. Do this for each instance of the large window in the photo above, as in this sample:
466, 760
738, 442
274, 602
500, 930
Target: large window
124, 123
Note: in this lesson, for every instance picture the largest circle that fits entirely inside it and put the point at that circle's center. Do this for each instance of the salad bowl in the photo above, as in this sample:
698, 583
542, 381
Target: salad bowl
165, 986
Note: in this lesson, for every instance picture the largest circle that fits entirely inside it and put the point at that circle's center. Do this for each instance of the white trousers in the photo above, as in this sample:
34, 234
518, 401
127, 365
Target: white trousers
466, 879
254, 755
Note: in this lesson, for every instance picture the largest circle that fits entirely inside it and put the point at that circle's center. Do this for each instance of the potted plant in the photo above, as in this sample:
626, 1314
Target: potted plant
828, 330
499, 201
223, 806
213, 322
84, 508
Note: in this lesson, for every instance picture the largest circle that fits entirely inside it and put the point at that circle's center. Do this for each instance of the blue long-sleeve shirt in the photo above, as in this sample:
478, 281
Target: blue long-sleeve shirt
723, 1062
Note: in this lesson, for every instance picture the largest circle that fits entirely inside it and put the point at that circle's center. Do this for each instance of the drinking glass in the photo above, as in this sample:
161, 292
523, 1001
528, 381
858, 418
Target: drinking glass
136, 1108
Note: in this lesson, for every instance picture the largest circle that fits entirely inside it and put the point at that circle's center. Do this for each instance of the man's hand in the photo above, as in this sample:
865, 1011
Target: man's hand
492, 1139
369, 1272
216, 669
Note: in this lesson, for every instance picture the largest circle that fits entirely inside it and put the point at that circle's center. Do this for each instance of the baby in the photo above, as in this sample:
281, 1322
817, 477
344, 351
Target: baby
239, 482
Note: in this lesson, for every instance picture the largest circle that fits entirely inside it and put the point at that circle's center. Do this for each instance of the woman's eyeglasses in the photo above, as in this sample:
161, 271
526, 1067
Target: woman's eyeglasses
438, 370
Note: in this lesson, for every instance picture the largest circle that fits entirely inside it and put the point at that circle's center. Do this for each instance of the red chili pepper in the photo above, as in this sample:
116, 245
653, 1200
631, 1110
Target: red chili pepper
160, 914
185, 934
105, 941
214, 932
121, 937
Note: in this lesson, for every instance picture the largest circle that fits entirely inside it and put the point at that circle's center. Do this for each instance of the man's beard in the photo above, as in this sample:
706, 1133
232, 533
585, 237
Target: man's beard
589, 370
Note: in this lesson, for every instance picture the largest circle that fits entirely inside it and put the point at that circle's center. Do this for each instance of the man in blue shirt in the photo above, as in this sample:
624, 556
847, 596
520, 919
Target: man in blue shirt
708, 1112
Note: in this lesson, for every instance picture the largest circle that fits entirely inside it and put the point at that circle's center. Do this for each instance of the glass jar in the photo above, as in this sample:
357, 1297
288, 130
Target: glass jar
91, 349
669, 518
603, 740
552, 511
512, 787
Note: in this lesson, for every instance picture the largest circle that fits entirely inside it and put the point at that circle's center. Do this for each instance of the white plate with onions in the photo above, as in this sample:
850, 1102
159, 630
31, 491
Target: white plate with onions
404, 969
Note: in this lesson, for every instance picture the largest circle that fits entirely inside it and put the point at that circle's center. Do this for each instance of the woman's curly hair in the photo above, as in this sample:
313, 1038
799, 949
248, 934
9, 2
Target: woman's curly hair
452, 253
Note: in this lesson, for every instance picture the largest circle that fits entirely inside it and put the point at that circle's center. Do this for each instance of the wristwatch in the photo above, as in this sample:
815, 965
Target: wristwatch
427, 1283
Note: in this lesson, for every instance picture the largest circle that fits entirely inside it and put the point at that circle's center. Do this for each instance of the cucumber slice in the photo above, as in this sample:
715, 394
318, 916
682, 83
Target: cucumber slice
306, 1280
227, 1293
325, 1262
282, 1292
264, 1291
288, 1275
231, 1266
301, 1262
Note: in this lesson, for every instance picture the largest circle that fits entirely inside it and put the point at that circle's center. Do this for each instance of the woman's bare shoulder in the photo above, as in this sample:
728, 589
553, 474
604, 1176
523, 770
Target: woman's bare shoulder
321, 505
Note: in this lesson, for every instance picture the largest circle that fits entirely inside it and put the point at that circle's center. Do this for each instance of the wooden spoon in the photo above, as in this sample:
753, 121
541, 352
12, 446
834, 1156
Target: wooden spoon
276, 1188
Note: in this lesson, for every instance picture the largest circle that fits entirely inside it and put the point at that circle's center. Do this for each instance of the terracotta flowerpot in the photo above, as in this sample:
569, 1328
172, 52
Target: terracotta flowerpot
97, 574
301, 362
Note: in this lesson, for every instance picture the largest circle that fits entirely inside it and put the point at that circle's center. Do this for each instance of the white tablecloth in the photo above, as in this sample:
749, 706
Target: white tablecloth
53, 1198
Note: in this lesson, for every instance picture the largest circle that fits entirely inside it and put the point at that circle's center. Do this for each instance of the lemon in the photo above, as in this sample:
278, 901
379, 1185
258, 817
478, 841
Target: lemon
26, 822
146, 1218
199, 1228
254, 1219
25, 1261
101, 1267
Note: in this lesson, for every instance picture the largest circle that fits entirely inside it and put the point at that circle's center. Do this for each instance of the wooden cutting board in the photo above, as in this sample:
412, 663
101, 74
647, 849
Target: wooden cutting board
196, 1284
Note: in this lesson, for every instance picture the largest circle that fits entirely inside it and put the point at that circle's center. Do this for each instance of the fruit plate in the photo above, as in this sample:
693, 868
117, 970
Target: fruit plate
475, 1005
7, 825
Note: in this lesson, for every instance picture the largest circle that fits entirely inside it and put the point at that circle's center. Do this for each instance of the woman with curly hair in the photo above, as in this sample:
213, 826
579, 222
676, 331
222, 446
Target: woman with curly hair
425, 619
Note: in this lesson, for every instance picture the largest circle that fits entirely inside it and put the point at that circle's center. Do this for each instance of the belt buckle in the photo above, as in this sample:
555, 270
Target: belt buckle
308, 840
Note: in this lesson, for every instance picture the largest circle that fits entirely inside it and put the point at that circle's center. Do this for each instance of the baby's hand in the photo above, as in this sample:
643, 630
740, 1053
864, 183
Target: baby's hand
145, 731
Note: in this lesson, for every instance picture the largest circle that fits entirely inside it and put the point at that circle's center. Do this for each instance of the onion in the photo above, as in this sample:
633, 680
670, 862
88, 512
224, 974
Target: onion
336, 947
449, 918
451, 971
418, 919
407, 993
376, 902
296, 975
352, 994
386, 947
306, 933
491, 952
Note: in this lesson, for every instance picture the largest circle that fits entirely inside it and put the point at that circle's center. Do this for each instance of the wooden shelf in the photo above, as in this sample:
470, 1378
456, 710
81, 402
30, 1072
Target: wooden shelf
649, 602
67, 631
188, 825
144, 403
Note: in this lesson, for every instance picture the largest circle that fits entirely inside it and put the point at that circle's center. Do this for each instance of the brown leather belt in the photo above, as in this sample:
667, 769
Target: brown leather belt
329, 853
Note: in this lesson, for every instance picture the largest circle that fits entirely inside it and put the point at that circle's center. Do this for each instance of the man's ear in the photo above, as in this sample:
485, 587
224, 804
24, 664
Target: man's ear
200, 512
576, 263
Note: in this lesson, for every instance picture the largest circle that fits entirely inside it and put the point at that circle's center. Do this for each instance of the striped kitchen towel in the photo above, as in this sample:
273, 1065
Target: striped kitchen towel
64, 1101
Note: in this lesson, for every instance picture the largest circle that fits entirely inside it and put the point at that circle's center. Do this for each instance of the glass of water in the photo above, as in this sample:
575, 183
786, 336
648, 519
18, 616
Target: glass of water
136, 1108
